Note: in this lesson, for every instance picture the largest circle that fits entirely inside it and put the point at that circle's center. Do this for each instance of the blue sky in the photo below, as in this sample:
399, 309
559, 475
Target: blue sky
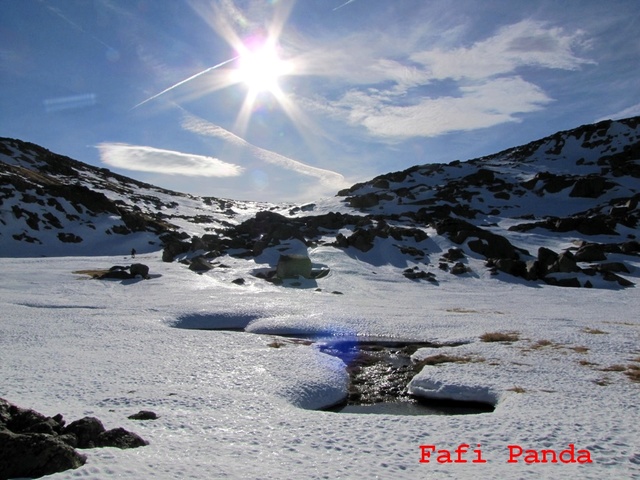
345, 91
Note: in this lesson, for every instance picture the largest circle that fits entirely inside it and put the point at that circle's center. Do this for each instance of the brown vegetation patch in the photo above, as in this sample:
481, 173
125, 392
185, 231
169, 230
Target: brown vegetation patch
587, 363
516, 389
614, 368
633, 372
444, 358
603, 382
580, 349
500, 337
594, 331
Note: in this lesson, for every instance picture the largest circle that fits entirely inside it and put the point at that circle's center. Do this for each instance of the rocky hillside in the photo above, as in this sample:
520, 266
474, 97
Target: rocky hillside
562, 210
53, 205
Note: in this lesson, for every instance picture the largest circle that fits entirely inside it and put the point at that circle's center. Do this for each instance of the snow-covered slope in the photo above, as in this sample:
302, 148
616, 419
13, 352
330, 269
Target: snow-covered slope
51, 205
562, 210
464, 256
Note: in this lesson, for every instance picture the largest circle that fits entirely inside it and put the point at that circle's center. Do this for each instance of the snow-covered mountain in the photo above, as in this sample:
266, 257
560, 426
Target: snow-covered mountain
449, 269
52, 205
561, 210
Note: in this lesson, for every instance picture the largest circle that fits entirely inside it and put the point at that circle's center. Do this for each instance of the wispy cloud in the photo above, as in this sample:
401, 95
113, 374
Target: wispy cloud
202, 127
445, 88
526, 43
150, 159
632, 111
478, 106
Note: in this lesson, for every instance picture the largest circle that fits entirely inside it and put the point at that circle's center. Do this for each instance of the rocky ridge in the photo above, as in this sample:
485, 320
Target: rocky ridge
579, 185
51, 204
579, 188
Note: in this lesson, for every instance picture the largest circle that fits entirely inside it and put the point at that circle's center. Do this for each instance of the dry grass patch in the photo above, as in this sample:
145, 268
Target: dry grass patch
471, 310
614, 368
462, 310
603, 382
633, 372
580, 349
594, 331
441, 358
516, 389
275, 344
587, 363
500, 337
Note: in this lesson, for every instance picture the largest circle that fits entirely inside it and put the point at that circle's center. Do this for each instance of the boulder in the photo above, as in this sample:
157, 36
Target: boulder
293, 266
565, 263
34, 455
517, 268
630, 247
144, 415
120, 438
86, 430
200, 264
482, 241
546, 258
453, 254
590, 252
612, 267
139, 269
459, 268
612, 277
173, 246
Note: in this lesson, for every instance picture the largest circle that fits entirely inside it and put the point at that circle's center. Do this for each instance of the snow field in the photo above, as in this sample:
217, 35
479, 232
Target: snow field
231, 406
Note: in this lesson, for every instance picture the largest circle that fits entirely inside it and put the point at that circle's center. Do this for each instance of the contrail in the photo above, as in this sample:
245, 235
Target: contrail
66, 19
186, 80
343, 5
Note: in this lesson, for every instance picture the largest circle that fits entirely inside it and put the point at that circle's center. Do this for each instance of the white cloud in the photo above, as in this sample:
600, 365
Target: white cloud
202, 127
150, 159
479, 106
632, 111
397, 95
526, 43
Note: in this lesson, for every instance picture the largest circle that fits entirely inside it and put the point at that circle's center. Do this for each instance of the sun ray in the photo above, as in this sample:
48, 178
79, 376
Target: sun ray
257, 65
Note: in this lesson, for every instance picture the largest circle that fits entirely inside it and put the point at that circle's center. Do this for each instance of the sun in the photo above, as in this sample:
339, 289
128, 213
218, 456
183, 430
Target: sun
259, 69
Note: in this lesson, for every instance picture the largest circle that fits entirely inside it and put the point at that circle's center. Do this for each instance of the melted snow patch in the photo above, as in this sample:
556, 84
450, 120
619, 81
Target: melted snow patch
213, 321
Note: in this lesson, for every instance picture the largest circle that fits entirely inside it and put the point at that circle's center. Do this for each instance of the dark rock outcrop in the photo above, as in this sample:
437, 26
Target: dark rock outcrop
34, 455
33, 445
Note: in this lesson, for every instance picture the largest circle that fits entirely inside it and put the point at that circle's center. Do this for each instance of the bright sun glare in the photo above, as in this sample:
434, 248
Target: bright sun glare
260, 68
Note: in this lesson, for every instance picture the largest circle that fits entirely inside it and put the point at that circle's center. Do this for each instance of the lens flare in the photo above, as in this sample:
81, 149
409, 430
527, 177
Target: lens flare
260, 67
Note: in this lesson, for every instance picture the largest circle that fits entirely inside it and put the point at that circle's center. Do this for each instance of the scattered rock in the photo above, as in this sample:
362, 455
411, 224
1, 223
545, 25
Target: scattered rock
35, 455
459, 268
139, 269
34, 445
143, 415
453, 254
120, 438
117, 272
590, 252
86, 430
200, 264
